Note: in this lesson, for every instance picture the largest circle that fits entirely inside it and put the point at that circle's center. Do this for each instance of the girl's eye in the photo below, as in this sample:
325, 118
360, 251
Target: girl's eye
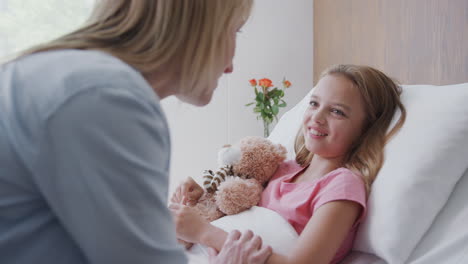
313, 103
338, 112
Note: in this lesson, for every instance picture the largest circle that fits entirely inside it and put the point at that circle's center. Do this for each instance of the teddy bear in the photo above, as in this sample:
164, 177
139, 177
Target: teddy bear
237, 185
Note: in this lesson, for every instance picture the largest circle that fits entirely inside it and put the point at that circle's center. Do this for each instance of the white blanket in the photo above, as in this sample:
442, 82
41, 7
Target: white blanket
269, 225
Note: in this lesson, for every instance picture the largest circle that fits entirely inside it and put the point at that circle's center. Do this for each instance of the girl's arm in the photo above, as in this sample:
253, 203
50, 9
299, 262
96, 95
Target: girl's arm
319, 241
323, 234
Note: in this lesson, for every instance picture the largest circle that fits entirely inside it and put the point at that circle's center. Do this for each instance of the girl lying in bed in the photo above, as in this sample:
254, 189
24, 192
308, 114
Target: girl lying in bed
339, 151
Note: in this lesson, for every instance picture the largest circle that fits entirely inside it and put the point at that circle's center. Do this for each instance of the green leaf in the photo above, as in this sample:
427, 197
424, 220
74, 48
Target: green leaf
275, 110
283, 104
260, 97
271, 92
256, 91
249, 104
274, 92
281, 93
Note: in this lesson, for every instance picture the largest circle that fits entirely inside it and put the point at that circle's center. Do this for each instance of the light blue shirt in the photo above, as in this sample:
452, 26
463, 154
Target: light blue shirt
84, 161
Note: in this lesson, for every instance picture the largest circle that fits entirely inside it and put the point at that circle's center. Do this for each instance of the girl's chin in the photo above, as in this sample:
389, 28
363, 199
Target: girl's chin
313, 148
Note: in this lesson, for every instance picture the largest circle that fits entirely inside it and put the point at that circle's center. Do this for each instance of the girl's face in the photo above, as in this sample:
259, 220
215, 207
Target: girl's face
335, 117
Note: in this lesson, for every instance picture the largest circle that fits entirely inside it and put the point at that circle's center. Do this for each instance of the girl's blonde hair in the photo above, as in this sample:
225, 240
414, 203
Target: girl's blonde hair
381, 96
150, 35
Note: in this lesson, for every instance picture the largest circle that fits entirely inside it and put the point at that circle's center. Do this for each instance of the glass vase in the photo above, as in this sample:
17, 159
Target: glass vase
266, 128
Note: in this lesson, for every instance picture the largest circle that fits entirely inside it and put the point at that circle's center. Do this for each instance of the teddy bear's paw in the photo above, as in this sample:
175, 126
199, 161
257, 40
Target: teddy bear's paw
236, 195
206, 206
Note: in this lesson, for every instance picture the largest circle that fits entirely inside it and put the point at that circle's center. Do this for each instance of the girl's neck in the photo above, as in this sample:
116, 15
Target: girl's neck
319, 167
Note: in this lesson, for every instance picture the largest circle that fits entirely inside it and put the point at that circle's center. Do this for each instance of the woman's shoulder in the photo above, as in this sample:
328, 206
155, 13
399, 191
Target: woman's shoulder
62, 74
85, 66
69, 65
55, 79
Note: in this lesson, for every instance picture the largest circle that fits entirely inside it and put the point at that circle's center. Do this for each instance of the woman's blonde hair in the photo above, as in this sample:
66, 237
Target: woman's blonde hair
381, 96
150, 35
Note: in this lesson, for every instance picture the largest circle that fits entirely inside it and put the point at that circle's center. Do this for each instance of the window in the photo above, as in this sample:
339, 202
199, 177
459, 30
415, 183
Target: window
24, 23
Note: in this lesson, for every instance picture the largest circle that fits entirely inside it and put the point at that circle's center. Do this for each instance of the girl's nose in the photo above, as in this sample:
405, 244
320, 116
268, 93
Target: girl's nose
318, 117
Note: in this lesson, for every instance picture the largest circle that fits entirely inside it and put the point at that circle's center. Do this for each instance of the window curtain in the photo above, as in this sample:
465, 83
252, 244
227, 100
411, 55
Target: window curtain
24, 23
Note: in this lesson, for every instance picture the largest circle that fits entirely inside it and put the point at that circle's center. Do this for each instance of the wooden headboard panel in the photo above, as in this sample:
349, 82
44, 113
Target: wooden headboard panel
414, 41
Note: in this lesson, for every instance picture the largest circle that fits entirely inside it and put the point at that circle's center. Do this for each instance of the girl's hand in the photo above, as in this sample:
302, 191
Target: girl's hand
189, 224
187, 193
241, 248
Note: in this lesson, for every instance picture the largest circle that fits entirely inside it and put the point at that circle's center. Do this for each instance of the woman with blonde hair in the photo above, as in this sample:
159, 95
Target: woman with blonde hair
339, 152
84, 142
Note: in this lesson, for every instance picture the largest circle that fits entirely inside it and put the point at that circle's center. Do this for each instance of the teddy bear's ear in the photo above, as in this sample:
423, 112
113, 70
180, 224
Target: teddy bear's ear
229, 155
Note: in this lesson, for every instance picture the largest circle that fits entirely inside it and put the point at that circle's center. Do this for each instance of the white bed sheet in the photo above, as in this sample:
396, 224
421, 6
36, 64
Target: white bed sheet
447, 239
357, 257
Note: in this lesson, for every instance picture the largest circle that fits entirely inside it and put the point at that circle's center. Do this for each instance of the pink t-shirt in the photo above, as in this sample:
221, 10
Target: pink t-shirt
297, 202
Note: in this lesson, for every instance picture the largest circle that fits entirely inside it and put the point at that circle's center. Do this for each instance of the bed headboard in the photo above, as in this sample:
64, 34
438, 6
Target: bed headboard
414, 41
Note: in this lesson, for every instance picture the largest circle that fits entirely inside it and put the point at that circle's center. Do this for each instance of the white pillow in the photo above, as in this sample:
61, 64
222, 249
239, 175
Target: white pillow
269, 225
423, 163
447, 239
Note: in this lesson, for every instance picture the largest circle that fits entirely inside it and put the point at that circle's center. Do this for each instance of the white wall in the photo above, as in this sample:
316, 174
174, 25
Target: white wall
3, 6
277, 42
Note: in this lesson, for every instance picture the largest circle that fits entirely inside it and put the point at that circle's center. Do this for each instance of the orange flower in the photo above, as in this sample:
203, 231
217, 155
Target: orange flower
286, 83
265, 83
253, 82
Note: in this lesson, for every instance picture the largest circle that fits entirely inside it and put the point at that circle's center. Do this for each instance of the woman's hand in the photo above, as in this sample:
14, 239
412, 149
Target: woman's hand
187, 193
237, 248
190, 225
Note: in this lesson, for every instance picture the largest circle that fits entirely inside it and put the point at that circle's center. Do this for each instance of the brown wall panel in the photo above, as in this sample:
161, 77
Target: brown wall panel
414, 41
